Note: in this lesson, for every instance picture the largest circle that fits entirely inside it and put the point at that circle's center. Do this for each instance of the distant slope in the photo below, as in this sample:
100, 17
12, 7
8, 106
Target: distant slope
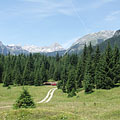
16, 50
48, 49
3, 49
115, 40
94, 38
61, 53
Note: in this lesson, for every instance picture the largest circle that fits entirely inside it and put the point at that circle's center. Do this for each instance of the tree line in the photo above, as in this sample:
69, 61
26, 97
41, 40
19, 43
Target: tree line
91, 70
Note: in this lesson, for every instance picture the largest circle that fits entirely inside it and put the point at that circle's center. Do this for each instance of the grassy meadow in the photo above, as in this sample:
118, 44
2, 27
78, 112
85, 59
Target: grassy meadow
100, 105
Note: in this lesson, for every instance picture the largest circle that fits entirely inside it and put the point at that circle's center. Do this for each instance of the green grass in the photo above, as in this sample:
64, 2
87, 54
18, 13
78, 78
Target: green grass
100, 105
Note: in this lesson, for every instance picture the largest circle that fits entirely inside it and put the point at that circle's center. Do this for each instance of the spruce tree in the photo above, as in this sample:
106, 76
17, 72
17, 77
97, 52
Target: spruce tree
43, 74
56, 74
116, 64
24, 101
97, 56
78, 75
1, 71
37, 81
100, 75
7, 79
109, 67
64, 78
71, 81
88, 77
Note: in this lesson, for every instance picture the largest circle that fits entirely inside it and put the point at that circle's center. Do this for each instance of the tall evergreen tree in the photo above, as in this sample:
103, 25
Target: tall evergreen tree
116, 64
78, 75
71, 80
37, 80
88, 77
100, 75
64, 78
109, 67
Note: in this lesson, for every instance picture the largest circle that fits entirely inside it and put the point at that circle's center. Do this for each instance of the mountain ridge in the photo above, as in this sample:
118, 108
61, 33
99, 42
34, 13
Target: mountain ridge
94, 38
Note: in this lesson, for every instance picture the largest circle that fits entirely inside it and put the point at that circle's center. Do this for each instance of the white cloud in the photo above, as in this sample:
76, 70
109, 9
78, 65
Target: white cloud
113, 16
40, 8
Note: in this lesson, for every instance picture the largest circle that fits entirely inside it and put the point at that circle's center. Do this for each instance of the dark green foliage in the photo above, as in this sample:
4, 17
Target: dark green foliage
72, 93
71, 81
1, 71
7, 79
88, 78
25, 100
93, 69
43, 74
78, 76
109, 67
37, 81
57, 72
97, 56
100, 76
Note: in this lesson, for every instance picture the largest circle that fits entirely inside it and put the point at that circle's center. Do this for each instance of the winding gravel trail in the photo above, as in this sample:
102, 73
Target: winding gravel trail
48, 96
51, 95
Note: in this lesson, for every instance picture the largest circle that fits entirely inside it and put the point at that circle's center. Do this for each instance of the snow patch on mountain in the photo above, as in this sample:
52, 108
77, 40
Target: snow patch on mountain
36, 49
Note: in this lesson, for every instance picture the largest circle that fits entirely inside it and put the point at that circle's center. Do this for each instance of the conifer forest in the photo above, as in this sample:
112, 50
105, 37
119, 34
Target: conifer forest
90, 70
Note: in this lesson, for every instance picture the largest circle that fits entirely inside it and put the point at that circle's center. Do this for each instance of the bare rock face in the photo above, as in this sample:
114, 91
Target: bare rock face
94, 38
117, 33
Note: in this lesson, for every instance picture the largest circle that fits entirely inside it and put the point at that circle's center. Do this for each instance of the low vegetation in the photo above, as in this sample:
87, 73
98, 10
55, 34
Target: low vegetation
100, 105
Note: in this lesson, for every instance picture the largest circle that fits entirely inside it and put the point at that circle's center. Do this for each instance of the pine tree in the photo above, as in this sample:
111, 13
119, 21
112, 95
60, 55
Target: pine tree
100, 75
84, 58
109, 67
64, 78
116, 64
71, 80
37, 81
25, 100
117, 73
18, 78
90, 49
43, 74
29, 68
97, 56
88, 78
1, 71
56, 75
78, 76
7, 79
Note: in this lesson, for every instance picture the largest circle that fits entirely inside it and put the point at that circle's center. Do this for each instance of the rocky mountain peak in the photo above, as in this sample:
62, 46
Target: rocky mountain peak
117, 33
36, 49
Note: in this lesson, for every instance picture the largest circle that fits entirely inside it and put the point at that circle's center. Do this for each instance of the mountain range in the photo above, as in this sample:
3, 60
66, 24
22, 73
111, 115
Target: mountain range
94, 38
101, 38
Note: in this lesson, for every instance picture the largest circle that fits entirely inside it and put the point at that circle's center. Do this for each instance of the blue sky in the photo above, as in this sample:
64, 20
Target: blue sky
44, 22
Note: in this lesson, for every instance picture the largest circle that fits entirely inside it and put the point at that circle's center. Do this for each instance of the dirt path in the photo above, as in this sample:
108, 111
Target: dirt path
48, 96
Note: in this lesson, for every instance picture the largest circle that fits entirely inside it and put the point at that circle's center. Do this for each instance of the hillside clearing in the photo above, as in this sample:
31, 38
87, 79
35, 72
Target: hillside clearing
100, 105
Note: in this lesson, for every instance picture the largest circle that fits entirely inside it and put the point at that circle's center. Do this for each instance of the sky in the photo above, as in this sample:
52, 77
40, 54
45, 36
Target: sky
44, 22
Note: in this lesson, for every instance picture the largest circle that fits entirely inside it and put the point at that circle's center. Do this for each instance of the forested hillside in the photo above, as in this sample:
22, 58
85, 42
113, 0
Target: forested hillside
90, 70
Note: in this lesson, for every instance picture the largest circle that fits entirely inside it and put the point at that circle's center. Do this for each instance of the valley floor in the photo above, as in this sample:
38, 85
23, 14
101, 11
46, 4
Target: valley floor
100, 105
